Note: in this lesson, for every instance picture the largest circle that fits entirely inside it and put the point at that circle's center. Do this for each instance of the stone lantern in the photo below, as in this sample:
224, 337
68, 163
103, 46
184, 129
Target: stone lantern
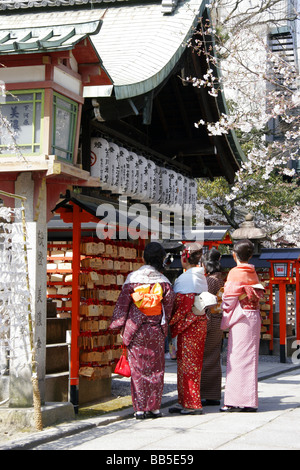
248, 230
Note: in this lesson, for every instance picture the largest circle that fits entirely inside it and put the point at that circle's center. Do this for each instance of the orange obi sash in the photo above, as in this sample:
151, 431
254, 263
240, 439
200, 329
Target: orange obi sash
148, 299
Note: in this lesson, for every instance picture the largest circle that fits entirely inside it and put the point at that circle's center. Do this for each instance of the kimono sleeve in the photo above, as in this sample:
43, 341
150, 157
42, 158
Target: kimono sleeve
168, 300
121, 309
232, 311
183, 316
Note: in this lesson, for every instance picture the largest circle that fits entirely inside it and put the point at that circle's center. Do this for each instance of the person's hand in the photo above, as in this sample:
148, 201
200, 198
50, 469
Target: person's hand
197, 312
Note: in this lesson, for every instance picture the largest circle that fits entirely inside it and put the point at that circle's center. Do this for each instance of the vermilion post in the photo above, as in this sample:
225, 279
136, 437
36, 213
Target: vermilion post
75, 321
282, 320
297, 264
271, 316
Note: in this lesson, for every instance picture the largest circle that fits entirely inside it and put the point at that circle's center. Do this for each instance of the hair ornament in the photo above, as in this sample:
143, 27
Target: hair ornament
186, 252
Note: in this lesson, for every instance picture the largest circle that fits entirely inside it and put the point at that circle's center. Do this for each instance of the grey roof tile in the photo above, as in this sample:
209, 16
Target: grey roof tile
138, 45
39, 39
167, 6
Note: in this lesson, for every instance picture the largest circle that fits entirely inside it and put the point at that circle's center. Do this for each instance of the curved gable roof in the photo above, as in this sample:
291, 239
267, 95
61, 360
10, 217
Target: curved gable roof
167, 5
142, 45
139, 45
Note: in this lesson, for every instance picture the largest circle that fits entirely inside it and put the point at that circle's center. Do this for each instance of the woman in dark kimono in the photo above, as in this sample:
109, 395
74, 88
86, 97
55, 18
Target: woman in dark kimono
211, 377
142, 313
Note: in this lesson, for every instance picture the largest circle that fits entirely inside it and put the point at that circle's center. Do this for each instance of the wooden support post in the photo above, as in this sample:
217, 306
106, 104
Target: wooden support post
75, 322
282, 321
271, 316
297, 264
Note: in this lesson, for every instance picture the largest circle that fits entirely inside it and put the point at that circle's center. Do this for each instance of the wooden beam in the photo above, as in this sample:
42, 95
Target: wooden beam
182, 107
132, 143
161, 115
187, 147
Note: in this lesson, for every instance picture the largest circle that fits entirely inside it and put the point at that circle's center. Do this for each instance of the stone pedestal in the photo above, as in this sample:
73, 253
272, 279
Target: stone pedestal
20, 386
52, 414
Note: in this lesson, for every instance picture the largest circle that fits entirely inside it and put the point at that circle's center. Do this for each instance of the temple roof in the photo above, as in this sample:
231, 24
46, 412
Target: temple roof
280, 254
142, 46
167, 6
45, 38
139, 45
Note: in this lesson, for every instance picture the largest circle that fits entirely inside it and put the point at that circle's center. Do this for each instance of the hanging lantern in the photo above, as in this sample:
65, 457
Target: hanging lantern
151, 181
142, 178
186, 192
193, 193
124, 170
113, 167
166, 186
180, 190
157, 196
133, 174
172, 187
99, 160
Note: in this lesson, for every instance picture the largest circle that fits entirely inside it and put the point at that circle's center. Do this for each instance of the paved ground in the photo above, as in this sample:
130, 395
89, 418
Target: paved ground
274, 426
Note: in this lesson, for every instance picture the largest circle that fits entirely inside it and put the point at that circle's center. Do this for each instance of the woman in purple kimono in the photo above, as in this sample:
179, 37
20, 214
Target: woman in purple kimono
142, 313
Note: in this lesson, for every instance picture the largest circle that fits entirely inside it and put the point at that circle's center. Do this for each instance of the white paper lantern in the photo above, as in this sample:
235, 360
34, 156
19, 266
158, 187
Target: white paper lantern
172, 187
113, 167
124, 170
133, 174
180, 190
186, 192
165, 186
99, 160
193, 193
142, 178
151, 181
157, 197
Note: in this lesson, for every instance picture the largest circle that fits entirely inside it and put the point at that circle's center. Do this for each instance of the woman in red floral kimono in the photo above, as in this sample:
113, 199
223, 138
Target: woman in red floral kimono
142, 313
190, 330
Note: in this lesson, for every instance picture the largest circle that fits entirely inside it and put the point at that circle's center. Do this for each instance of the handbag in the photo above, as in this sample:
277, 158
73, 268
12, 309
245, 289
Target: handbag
122, 367
203, 301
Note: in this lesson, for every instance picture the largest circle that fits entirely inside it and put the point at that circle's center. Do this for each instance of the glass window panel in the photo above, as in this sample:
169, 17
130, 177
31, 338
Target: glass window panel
24, 114
63, 127
38, 120
65, 116
62, 154
23, 149
15, 96
63, 104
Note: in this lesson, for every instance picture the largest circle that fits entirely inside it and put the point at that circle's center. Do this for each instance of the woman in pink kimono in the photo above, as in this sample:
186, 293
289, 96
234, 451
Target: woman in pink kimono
142, 313
241, 314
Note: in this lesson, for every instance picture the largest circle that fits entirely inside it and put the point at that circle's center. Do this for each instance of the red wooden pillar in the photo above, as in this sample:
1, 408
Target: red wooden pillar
282, 321
297, 264
271, 316
75, 321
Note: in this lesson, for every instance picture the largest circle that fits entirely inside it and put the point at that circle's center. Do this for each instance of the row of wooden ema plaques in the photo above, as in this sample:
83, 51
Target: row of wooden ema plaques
103, 270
